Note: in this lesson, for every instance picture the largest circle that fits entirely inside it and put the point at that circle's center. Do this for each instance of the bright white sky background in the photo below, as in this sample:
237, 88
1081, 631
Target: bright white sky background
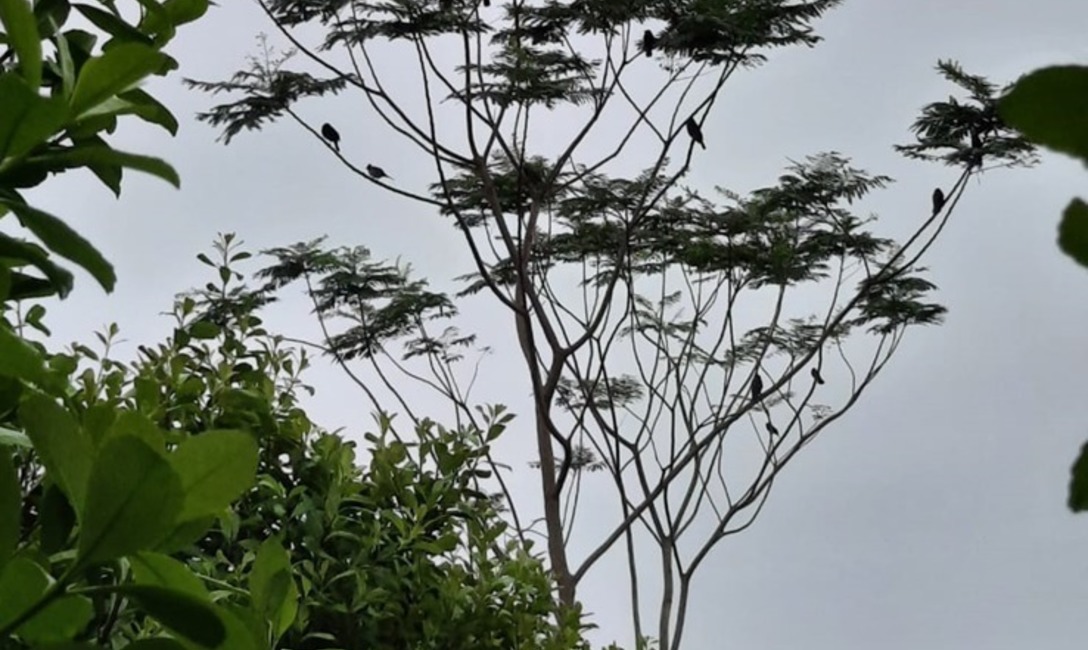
931, 517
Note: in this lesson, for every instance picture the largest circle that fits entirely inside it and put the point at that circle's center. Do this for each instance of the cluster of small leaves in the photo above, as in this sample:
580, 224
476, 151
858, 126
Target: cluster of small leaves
268, 91
1050, 107
95, 495
55, 112
530, 60
972, 134
380, 301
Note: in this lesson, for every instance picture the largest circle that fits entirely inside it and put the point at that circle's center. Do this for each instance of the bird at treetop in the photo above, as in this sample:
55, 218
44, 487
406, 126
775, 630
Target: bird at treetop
331, 134
757, 387
938, 200
649, 41
695, 132
976, 140
771, 429
377, 172
815, 372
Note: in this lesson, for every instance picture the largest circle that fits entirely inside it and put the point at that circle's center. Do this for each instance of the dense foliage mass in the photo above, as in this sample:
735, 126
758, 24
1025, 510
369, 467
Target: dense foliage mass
184, 499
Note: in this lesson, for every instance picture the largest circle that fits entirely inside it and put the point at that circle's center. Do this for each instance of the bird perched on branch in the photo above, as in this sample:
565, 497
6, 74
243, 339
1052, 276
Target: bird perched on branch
757, 387
815, 372
772, 429
331, 134
377, 172
649, 42
938, 200
695, 132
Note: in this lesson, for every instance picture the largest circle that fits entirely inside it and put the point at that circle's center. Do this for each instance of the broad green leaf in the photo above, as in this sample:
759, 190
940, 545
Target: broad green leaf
1073, 231
204, 330
63, 449
1050, 107
11, 499
112, 25
21, 360
244, 630
158, 643
177, 12
133, 423
275, 597
139, 103
215, 467
37, 257
1078, 485
160, 570
113, 72
26, 119
21, 29
57, 520
185, 533
61, 620
133, 499
62, 240
89, 156
194, 618
14, 438
22, 583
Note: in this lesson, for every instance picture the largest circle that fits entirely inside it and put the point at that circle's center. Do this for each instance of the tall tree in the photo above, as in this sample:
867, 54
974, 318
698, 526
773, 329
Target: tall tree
646, 371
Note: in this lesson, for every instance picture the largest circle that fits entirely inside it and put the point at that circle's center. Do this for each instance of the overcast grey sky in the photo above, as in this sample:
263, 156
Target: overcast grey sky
932, 516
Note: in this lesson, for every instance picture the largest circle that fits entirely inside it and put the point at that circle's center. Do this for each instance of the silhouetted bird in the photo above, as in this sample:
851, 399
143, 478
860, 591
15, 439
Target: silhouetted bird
487, 3
976, 141
377, 172
695, 132
331, 134
649, 42
938, 200
815, 372
771, 429
757, 387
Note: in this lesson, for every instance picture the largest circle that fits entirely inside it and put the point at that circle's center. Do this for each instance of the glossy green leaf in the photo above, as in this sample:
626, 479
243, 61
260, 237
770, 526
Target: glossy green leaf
62, 240
215, 467
22, 583
57, 520
1050, 107
113, 72
1078, 485
274, 594
133, 499
105, 156
160, 570
61, 620
158, 643
244, 630
1073, 231
11, 499
14, 438
63, 449
177, 12
21, 29
188, 616
141, 104
37, 257
21, 360
112, 25
132, 423
184, 534
26, 119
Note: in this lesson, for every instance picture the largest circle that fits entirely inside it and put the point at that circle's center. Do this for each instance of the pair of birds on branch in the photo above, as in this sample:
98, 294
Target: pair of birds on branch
333, 136
649, 42
756, 388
